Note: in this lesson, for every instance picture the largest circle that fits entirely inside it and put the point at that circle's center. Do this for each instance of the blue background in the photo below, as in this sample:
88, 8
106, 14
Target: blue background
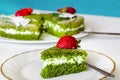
94, 7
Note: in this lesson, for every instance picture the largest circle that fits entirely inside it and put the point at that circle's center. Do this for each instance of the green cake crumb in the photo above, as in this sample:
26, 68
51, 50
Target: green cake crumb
55, 52
63, 69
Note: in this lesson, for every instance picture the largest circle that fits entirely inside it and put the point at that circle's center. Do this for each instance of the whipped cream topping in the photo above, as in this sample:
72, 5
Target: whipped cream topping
66, 15
17, 20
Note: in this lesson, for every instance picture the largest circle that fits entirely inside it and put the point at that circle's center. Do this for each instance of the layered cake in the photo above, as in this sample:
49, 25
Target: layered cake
63, 59
26, 25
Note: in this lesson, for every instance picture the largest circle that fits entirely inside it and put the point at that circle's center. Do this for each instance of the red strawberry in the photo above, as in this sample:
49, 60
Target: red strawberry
18, 13
67, 10
67, 42
24, 12
30, 10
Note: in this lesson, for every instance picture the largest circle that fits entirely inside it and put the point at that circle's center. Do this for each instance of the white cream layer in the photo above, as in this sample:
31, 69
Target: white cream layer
13, 31
59, 29
56, 61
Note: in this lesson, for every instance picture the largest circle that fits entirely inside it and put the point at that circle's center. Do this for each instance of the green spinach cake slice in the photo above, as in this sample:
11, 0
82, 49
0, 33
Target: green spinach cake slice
59, 62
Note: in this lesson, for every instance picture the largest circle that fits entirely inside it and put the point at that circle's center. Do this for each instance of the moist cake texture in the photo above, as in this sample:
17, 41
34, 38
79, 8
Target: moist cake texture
59, 62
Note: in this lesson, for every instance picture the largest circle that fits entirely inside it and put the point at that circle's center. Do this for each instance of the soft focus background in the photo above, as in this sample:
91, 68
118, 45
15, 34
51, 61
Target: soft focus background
94, 7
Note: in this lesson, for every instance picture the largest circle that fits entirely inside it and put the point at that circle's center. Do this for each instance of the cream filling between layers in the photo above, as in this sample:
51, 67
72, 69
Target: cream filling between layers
63, 59
13, 31
59, 29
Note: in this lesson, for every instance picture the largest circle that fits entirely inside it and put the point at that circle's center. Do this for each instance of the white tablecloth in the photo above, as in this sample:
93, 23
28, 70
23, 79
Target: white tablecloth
106, 44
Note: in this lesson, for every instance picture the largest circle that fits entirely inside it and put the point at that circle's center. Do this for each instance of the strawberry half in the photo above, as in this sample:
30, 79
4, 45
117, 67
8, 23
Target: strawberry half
24, 12
67, 42
67, 10
70, 10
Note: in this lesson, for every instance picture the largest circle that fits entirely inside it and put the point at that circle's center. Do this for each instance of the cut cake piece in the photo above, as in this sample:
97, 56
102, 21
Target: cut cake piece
59, 62
60, 25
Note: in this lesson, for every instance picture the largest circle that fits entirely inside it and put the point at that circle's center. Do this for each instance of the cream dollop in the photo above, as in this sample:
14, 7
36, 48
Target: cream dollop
66, 15
18, 21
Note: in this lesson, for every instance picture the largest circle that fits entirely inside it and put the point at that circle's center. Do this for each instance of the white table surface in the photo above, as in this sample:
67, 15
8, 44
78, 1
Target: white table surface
106, 44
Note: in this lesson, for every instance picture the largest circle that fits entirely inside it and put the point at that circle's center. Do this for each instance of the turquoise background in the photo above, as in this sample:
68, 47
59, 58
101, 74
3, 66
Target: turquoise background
94, 7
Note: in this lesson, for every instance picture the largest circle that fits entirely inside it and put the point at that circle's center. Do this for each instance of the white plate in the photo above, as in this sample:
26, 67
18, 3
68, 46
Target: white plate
45, 38
27, 66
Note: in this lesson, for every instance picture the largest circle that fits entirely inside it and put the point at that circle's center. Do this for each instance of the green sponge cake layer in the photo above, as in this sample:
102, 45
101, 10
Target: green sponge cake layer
55, 52
20, 30
63, 69
60, 26
59, 62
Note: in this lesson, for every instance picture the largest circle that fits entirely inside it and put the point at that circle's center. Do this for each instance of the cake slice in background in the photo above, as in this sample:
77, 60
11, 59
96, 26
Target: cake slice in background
61, 24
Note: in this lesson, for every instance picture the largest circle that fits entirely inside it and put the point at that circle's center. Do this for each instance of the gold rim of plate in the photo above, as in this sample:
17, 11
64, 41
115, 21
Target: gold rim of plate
102, 78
